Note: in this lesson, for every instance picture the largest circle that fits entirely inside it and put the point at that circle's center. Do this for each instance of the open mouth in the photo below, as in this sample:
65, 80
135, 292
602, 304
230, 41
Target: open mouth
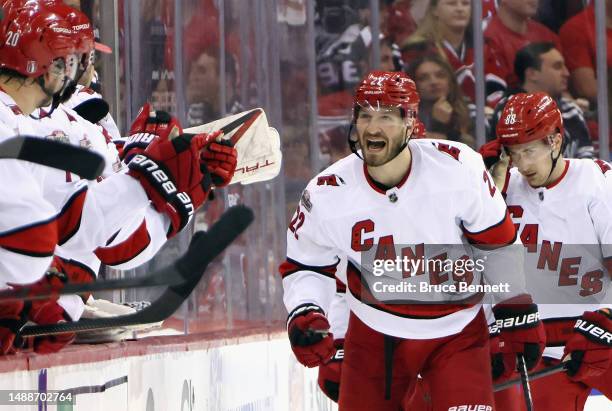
375, 144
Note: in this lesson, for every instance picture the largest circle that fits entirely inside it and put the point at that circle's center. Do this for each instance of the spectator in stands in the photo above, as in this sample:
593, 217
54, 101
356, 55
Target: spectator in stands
489, 8
540, 67
400, 22
204, 86
332, 144
442, 109
341, 54
390, 55
446, 30
553, 13
578, 40
511, 29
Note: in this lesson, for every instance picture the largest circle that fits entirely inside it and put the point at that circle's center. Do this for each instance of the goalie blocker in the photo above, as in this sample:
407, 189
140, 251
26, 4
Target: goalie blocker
257, 144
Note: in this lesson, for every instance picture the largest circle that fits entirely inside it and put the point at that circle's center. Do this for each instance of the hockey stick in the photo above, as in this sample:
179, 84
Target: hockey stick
50, 153
204, 247
166, 276
522, 368
533, 376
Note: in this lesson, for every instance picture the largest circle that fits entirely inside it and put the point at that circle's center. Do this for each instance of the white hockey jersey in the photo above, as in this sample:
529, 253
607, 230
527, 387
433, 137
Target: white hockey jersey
107, 123
566, 229
447, 197
41, 206
143, 231
65, 125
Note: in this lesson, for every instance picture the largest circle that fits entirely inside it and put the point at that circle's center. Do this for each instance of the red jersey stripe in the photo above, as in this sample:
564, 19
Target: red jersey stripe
127, 249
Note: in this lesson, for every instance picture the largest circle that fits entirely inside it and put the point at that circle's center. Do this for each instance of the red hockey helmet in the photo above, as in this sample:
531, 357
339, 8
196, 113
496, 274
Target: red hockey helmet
387, 88
527, 118
81, 26
32, 37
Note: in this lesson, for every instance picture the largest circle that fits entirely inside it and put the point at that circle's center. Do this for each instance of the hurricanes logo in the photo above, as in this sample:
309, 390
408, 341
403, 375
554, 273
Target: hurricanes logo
59, 135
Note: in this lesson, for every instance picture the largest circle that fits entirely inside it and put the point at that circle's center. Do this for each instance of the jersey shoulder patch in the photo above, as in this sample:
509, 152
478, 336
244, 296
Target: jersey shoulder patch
452, 151
603, 166
458, 155
330, 180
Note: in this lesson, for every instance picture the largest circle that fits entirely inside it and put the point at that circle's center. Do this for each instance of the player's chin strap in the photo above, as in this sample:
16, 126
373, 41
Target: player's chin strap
57, 97
554, 159
66, 93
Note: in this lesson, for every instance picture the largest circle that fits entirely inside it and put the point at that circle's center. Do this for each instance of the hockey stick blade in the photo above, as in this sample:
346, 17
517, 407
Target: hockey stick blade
50, 153
228, 128
532, 376
204, 247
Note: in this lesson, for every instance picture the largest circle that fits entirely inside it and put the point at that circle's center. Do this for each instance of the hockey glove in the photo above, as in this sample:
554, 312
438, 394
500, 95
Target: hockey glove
10, 323
520, 332
74, 272
173, 177
221, 160
491, 152
46, 312
149, 125
590, 345
309, 335
329, 374
497, 358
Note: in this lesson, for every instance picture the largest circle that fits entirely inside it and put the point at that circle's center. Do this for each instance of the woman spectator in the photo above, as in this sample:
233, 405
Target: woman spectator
442, 109
445, 30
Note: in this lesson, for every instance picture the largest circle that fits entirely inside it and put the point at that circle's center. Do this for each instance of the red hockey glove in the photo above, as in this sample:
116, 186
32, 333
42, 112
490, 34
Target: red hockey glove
44, 312
149, 125
520, 332
329, 374
497, 358
490, 152
173, 177
75, 272
221, 160
10, 323
590, 345
309, 335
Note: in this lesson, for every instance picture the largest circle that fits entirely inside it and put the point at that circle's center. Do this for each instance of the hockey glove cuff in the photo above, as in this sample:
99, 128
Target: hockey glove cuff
309, 335
330, 373
520, 332
590, 345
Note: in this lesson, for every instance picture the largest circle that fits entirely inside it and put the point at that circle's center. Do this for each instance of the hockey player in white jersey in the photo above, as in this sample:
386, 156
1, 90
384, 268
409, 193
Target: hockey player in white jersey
57, 121
37, 62
402, 192
563, 211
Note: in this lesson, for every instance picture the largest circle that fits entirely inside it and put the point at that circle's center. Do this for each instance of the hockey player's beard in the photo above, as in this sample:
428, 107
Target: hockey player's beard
379, 157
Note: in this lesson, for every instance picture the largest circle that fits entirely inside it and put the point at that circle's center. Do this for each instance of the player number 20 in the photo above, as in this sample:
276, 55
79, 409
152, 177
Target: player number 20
12, 38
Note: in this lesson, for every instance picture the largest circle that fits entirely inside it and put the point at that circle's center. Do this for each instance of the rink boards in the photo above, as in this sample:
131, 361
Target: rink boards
251, 372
